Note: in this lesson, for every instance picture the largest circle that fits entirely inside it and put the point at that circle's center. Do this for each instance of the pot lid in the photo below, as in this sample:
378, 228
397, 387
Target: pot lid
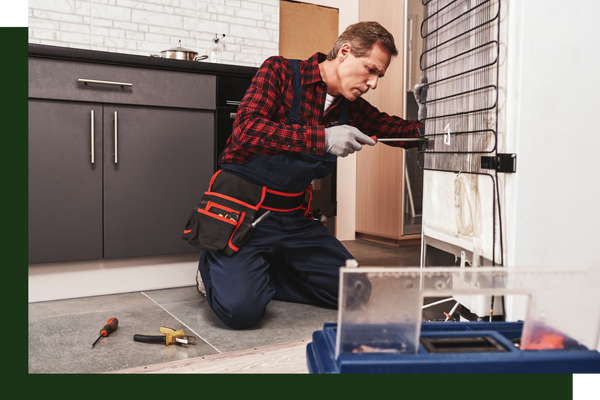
179, 48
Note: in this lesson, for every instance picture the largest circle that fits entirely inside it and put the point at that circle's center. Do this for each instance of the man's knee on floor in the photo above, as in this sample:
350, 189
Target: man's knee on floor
241, 315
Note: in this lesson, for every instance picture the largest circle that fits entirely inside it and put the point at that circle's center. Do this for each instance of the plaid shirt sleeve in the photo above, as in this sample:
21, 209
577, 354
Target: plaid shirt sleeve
371, 122
260, 126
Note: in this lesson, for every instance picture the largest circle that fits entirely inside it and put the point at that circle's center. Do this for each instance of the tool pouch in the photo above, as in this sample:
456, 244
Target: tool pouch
222, 222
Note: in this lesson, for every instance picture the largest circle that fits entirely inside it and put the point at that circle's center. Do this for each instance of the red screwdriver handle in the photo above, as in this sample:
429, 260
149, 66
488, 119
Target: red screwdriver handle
372, 137
110, 327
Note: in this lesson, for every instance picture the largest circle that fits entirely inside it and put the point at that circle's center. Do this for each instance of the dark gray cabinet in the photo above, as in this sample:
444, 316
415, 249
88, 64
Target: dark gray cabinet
163, 166
148, 169
65, 187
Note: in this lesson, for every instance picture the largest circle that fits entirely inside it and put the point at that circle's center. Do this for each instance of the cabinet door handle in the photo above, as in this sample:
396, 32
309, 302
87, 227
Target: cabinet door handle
86, 81
92, 135
116, 138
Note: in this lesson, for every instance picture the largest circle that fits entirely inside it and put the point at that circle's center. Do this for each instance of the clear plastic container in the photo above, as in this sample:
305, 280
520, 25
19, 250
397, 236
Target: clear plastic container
381, 308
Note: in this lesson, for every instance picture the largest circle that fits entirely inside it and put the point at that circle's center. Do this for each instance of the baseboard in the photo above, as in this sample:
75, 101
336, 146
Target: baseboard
58, 281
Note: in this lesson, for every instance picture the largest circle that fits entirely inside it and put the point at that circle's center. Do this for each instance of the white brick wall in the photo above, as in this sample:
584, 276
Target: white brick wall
147, 27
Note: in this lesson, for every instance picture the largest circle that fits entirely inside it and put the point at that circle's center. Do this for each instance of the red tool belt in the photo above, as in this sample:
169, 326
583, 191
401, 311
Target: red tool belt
222, 222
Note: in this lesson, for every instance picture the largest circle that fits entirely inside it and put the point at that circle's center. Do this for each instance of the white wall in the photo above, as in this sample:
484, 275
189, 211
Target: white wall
147, 27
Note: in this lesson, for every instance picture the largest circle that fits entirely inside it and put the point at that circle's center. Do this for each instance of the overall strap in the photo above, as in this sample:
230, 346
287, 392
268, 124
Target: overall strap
294, 115
344, 112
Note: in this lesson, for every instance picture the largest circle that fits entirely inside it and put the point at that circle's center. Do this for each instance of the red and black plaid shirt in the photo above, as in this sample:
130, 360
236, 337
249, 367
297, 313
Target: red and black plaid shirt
260, 126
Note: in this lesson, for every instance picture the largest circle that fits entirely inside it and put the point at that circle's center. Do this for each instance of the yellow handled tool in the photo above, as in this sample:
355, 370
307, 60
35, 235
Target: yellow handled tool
169, 336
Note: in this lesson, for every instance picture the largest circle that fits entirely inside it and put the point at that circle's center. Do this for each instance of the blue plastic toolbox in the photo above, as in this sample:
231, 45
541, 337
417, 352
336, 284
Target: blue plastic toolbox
453, 347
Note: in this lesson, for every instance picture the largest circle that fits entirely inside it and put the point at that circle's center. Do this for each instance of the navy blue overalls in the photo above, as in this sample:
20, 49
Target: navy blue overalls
289, 256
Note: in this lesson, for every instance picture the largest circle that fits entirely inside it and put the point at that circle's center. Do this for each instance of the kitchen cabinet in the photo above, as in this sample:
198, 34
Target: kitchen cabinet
115, 166
65, 187
164, 163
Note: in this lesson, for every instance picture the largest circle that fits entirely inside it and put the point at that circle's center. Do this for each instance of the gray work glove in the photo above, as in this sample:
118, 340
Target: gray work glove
420, 92
342, 140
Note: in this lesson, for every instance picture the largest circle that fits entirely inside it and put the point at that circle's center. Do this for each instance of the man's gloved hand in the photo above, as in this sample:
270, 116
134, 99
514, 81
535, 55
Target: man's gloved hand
420, 92
342, 140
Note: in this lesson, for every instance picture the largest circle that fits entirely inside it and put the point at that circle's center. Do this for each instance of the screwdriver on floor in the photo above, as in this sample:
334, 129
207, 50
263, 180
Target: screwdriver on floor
109, 328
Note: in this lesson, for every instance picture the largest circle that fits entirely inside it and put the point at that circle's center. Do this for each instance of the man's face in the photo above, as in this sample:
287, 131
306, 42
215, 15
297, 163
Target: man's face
359, 74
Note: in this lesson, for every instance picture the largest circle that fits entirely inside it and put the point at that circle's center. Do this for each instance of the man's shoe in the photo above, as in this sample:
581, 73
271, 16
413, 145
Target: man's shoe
200, 284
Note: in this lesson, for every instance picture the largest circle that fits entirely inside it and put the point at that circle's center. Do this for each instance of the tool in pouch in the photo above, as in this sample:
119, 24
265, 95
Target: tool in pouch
224, 219
169, 336
319, 216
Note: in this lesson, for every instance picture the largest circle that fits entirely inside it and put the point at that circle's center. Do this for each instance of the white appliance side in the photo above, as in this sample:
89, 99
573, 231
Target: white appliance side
556, 191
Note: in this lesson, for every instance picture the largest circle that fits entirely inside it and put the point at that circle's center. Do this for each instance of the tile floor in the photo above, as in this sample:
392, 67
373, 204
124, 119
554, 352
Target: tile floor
61, 332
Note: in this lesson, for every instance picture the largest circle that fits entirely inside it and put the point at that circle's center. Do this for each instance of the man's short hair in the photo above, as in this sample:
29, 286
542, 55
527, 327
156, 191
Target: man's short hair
361, 37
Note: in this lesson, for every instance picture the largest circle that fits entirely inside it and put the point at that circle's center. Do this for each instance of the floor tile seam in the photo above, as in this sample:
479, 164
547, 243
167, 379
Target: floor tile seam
41, 318
75, 313
184, 324
79, 313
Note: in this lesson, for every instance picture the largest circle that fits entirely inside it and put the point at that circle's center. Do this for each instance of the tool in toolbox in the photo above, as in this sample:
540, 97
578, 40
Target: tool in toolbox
109, 328
169, 336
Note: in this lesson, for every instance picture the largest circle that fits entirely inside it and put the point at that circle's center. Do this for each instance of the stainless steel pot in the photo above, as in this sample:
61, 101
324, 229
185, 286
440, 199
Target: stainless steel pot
179, 53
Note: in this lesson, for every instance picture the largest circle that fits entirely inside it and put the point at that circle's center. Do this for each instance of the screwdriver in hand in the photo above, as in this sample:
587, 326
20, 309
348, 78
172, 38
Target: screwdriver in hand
396, 139
109, 328
376, 139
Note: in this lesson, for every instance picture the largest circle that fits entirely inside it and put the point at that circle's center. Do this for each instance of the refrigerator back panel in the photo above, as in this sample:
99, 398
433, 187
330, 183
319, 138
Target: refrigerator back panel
462, 69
